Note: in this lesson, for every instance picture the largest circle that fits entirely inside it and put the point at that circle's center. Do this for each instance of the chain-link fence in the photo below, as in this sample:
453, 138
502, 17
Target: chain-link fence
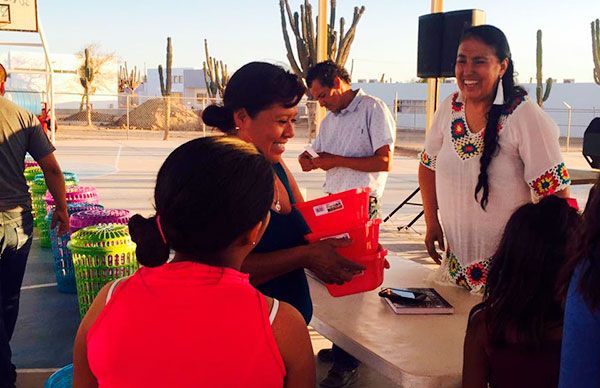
410, 114
126, 111
572, 122
136, 112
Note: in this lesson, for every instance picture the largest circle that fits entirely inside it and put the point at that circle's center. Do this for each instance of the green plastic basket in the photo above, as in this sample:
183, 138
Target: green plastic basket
101, 253
39, 206
30, 173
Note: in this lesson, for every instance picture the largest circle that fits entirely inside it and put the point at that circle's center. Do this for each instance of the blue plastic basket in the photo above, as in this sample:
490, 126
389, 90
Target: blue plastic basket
63, 262
62, 378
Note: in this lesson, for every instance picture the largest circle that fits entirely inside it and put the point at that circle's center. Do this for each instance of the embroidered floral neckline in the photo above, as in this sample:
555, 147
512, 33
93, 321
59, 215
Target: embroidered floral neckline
469, 144
466, 143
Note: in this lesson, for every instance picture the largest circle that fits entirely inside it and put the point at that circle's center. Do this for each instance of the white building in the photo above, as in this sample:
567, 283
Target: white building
188, 83
29, 88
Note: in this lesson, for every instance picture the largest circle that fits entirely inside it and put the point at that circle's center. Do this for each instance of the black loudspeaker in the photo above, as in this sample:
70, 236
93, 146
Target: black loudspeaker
439, 34
429, 50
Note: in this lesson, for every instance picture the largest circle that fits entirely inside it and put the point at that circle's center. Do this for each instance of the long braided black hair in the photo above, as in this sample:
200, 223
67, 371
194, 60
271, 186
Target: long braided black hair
493, 37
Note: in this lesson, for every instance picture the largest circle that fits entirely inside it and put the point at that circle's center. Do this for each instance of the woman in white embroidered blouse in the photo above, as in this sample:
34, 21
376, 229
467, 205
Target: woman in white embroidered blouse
489, 150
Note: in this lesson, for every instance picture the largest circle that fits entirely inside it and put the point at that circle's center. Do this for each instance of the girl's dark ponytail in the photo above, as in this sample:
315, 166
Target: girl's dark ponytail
151, 250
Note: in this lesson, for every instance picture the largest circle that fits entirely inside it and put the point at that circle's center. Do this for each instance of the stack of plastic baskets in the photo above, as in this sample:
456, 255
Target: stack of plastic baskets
38, 192
74, 194
346, 214
31, 170
63, 262
101, 253
62, 378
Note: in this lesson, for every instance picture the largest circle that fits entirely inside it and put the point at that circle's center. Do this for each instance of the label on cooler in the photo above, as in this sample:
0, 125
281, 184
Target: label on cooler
329, 207
342, 235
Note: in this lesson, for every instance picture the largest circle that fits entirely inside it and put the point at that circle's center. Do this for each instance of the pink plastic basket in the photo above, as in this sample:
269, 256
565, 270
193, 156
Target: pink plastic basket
31, 163
86, 218
76, 194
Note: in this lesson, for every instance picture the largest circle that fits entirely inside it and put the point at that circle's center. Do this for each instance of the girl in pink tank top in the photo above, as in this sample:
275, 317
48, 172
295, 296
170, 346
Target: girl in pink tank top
196, 321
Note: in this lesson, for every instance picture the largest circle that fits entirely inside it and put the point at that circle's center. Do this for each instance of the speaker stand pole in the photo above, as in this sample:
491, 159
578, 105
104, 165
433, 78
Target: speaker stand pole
322, 54
433, 84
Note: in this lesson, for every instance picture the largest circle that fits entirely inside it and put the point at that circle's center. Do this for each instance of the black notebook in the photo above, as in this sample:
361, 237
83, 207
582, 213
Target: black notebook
434, 303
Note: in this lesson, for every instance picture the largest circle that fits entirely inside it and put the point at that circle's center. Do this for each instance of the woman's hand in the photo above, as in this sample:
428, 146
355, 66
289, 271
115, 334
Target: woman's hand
328, 265
434, 233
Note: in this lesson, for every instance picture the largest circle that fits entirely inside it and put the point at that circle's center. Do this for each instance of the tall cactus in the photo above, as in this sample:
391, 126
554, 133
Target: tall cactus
129, 79
215, 74
303, 27
596, 49
165, 86
541, 95
305, 35
86, 78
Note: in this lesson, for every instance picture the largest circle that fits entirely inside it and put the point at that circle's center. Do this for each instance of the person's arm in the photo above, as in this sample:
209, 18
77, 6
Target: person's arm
476, 365
434, 231
293, 341
320, 258
380, 161
56, 185
82, 375
536, 137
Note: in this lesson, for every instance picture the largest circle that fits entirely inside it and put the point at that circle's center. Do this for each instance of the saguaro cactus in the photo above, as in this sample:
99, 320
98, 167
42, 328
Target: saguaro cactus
86, 77
215, 74
596, 49
165, 86
303, 28
539, 90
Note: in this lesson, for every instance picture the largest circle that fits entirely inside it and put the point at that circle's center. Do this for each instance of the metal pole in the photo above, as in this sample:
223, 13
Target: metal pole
51, 81
321, 52
127, 105
568, 126
415, 118
203, 125
433, 91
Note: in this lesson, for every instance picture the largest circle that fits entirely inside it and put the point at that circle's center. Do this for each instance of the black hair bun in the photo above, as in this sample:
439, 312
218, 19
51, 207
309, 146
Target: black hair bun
219, 117
151, 251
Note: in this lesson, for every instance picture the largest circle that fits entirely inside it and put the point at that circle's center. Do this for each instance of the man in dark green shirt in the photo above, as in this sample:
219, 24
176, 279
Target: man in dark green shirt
20, 133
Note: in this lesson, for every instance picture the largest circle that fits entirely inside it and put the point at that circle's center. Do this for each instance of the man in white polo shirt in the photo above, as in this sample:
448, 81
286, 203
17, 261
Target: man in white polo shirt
355, 147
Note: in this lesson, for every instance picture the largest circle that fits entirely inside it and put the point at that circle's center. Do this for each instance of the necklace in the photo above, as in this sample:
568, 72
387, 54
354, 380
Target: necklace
277, 203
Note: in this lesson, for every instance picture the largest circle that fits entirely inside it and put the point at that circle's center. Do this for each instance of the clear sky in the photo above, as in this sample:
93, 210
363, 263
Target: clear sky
239, 31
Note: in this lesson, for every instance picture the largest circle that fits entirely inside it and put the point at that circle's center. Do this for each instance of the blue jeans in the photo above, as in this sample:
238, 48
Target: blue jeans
16, 235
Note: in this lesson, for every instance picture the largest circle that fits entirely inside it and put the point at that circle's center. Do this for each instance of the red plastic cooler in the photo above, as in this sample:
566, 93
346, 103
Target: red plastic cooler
337, 210
370, 279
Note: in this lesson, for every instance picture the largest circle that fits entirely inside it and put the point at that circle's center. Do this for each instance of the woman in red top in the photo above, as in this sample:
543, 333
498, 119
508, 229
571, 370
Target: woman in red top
196, 321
